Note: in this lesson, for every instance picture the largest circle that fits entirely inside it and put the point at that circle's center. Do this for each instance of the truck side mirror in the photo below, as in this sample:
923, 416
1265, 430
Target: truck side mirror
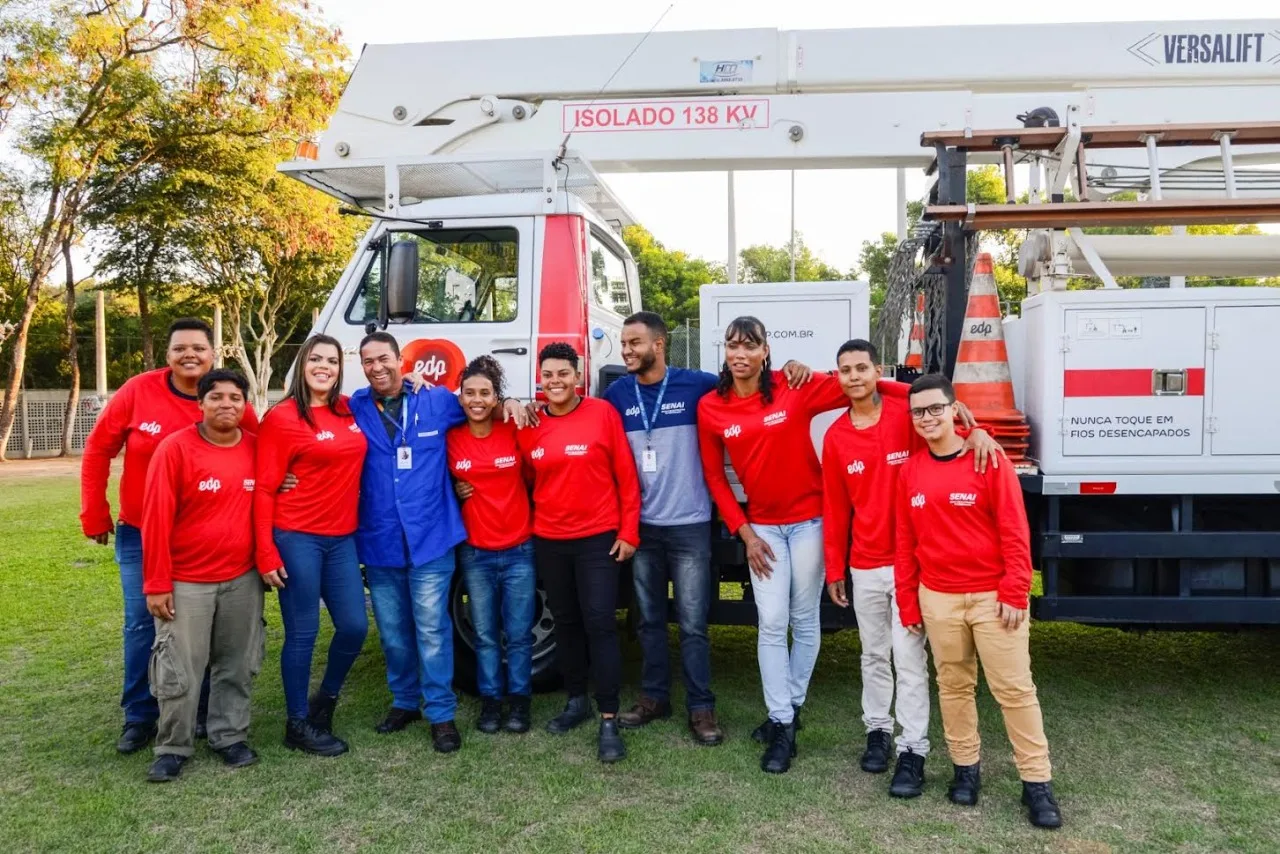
402, 280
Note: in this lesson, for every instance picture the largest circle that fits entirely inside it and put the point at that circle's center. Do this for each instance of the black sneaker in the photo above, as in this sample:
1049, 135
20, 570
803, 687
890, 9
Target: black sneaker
763, 734
397, 719
965, 785
908, 777
445, 737
781, 750
301, 734
609, 745
135, 736
490, 716
576, 712
875, 759
166, 768
1042, 807
320, 711
518, 719
238, 755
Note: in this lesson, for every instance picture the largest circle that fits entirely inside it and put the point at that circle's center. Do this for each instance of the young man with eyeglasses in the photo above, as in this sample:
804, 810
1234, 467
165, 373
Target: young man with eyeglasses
963, 573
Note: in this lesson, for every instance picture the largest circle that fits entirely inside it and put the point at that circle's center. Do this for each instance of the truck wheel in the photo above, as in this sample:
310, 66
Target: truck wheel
545, 675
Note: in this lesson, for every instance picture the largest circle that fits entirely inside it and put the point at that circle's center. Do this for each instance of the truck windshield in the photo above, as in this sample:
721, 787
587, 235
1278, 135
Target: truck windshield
465, 275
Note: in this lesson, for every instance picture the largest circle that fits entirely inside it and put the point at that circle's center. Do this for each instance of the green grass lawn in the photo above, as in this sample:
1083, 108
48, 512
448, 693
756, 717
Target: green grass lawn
1160, 742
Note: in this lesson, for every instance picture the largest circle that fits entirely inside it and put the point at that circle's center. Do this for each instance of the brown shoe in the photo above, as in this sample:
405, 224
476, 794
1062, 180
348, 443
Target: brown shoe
644, 712
706, 730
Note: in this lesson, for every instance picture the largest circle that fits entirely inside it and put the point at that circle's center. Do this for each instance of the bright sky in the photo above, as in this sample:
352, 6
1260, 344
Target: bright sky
835, 211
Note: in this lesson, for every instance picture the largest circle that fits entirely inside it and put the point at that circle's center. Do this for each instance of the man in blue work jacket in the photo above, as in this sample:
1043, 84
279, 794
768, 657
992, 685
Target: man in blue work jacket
409, 526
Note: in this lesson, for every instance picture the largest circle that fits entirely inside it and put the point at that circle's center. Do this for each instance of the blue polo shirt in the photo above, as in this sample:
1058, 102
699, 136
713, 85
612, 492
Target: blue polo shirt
676, 494
408, 517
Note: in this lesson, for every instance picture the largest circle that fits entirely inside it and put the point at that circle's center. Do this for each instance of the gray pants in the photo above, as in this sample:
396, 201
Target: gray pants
215, 625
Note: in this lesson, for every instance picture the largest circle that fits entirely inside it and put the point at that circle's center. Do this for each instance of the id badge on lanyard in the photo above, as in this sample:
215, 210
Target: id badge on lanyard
404, 453
649, 457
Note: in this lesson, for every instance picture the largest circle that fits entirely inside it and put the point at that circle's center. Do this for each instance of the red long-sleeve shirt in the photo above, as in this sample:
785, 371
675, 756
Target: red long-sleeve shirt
326, 458
770, 448
959, 531
497, 515
142, 412
860, 487
584, 476
197, 516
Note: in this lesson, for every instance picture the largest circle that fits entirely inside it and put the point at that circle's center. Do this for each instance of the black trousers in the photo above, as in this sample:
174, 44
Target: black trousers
580, 578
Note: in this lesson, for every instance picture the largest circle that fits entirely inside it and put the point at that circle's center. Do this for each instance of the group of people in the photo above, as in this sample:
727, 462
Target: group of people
908, 509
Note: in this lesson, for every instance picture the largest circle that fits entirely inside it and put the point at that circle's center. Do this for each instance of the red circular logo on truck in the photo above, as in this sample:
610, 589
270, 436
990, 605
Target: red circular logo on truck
439, 361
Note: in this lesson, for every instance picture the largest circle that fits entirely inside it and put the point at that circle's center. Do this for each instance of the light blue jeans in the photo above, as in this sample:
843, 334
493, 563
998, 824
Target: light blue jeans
790, 595
411, 608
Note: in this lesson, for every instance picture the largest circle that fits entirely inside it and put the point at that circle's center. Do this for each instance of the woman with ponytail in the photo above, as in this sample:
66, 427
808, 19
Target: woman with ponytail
497, 558
764, 424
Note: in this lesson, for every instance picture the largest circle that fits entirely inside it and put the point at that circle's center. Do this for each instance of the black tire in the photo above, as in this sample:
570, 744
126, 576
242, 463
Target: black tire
546, 677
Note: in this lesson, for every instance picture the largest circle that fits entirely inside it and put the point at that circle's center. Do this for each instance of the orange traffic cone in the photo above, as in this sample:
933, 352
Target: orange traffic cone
915, 346
982, 379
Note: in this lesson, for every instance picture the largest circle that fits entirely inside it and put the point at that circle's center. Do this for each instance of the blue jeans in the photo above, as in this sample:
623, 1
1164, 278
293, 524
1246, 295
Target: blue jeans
318, 567
503, 594
681, 553
790, 595
411, 608
140, 707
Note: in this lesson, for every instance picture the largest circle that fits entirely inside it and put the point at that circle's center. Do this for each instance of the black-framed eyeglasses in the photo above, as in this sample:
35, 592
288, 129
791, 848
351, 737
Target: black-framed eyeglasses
934, 409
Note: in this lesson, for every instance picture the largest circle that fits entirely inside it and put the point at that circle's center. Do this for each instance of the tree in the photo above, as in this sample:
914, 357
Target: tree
669, 279
764, 263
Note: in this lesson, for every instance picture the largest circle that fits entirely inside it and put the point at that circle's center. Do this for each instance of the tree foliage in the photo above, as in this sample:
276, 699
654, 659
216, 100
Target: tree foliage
669, 280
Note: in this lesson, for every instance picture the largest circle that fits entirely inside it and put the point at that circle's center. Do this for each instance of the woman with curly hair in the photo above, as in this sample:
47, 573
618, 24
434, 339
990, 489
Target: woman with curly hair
497, 558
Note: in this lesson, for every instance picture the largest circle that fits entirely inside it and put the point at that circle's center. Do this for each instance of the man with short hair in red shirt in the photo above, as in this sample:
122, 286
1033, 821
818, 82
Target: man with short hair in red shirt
199, 579
963, 572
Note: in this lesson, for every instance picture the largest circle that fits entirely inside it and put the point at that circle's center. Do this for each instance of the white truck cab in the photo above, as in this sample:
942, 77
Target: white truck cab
456, 278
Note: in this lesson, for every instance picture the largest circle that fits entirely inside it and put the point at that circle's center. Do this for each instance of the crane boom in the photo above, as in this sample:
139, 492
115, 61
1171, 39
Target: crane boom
746, 99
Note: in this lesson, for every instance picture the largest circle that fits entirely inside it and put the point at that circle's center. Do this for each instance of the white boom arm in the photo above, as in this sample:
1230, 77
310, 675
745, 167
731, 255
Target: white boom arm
765, 99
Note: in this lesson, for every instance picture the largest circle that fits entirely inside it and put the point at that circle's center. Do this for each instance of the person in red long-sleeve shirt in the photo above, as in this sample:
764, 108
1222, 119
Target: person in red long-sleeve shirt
497, 558
306, 536
962, 569
586, 522
199, 578
862, 453
144, 410
764, 425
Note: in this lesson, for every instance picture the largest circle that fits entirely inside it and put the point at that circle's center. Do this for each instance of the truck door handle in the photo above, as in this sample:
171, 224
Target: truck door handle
1166, 383
514, 351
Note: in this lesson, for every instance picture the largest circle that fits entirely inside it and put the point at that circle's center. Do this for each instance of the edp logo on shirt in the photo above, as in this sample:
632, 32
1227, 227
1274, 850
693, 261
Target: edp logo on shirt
152, 427
917, 500
210, 484
537, 453
733, 432
633, 412
462, 465
324, 436
856, 467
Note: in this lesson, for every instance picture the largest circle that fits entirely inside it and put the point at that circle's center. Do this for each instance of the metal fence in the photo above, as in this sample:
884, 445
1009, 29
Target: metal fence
682, 349
37, 429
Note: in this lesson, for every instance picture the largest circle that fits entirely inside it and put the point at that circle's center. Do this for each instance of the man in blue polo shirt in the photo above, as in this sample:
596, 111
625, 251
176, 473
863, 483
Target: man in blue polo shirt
659, 408
409, 526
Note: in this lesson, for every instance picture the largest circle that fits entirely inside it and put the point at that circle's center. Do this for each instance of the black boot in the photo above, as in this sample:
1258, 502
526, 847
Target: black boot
166, 768
135, 736
875, 759
763, 733
782, 749
518, 718
238, 755
908, 777
576, 712
609, 746
302, 734
490, 716
445, 737
1042, 807
320, 711
397, 719
965, 785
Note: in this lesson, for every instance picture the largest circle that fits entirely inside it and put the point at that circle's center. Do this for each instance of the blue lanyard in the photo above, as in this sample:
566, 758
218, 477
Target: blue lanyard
404, 418
657, 407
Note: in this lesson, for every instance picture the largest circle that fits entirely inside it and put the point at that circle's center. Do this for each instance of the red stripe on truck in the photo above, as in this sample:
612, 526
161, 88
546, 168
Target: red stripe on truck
1122, 382
562, 307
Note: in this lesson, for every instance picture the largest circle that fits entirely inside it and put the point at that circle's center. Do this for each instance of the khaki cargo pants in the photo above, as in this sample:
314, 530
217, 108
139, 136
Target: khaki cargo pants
215, 625
963, 628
